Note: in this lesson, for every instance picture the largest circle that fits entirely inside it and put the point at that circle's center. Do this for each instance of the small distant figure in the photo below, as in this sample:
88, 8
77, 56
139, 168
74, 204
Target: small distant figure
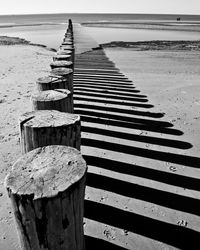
178, 19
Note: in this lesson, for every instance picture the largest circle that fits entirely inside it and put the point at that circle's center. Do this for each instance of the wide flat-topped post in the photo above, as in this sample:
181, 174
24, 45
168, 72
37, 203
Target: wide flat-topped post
67, 56
47, 187
51, 82
49, 127
66, 74
62, 64
58, 99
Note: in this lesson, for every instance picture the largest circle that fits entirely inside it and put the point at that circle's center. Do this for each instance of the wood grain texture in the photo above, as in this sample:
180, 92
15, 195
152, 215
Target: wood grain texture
67, 74
67, 48
49, 127
70, 40
58, 99
63, 64
63, 57
51, 83
47, 187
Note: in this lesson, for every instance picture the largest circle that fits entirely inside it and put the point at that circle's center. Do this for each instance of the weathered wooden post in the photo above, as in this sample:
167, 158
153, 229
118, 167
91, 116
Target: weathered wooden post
68, 39
58, 99
47, 187
66, 56
61, 64
70, 25
67, 48
66, 74
49, 127
52, 82
67, 43
69, 35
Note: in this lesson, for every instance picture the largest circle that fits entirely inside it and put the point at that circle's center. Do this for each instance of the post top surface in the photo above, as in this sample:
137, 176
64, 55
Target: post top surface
61, 71
62, 56
61, 63
51, 95
46, 171
62, 52
49, 79
48, 118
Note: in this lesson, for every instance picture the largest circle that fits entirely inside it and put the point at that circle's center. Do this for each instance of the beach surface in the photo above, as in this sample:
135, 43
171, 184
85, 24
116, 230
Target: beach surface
170, 82
20, 66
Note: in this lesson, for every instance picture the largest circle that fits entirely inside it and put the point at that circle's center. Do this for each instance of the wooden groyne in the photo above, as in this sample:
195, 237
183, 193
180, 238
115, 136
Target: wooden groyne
46, 185
137, 194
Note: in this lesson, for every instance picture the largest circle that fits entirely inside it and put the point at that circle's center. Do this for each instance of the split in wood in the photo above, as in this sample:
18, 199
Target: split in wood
47, 187
67, 74
55, 82
49, 127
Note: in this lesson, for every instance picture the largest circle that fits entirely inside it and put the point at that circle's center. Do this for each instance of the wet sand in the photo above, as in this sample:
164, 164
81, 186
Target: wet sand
154, 25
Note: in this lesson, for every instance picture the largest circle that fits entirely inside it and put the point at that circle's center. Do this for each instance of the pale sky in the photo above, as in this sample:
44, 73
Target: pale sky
100, 6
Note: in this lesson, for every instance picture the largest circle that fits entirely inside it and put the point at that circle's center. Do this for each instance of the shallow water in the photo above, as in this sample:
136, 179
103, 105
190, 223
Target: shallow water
105, 35
49, 29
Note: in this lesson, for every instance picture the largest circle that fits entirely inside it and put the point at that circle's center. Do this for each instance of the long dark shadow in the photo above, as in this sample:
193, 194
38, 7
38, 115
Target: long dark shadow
106, 80
105, 87
122, 124
100, 71
140, 138
130, 119
108, 92
136, 191
144, 172
111, 78
174, 235
185, 160
122, 103
118, 110
78, 72
110, 96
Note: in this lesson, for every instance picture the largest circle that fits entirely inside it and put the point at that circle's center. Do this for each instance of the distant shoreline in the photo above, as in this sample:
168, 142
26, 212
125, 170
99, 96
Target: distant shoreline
26, 25
6, 40
155, 45
138, 46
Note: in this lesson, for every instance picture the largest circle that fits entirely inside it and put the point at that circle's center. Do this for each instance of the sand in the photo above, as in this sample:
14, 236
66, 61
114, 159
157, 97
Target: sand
20, 66
170, 80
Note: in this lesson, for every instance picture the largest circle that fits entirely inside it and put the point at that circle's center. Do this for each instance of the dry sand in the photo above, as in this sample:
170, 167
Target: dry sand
171, 82
20, 66
170, 79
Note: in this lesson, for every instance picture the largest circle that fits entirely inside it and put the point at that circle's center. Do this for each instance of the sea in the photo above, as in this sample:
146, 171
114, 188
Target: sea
48, 29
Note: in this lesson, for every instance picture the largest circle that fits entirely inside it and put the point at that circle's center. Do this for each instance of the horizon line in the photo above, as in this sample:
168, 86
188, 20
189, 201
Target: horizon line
99, 13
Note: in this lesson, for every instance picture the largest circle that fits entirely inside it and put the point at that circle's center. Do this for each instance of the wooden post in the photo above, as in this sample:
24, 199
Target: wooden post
49, 127
66, 74
69, 35
68, 40
63, 57
67, 48
47, 188
52, 82
67, 43
61, 64
58, 99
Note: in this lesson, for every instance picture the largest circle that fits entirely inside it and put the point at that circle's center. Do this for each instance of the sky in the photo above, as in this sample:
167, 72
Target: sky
100, 6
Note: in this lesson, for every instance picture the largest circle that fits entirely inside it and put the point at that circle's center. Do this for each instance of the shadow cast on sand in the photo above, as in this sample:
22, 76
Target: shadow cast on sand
111, 109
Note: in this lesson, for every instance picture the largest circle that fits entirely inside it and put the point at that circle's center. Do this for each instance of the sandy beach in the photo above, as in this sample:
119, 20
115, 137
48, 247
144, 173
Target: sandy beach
21, 65
170, 81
